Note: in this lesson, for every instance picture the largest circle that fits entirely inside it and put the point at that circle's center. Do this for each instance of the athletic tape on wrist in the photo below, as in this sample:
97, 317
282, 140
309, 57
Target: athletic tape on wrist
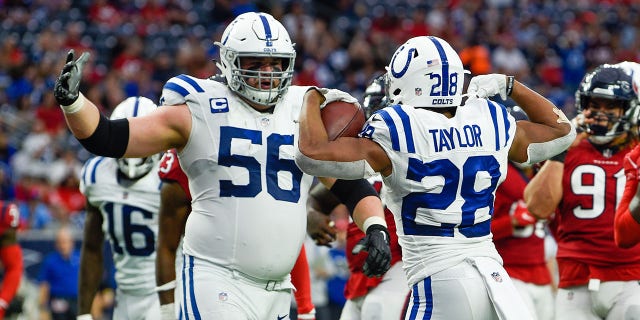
373, 220
75, 106
167, 286
85, 316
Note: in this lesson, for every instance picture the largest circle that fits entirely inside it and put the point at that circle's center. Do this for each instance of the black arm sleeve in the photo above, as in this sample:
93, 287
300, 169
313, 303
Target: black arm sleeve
350, 192
110, 139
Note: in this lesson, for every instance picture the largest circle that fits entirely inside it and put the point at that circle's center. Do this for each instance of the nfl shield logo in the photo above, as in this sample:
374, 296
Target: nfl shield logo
222, 296
418, 91
496, 276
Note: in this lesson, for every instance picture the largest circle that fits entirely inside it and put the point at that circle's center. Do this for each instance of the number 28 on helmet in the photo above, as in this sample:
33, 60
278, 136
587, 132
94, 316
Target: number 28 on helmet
426, 72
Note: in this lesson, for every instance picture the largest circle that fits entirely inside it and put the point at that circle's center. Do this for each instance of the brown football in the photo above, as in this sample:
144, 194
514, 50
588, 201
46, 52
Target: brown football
342, 119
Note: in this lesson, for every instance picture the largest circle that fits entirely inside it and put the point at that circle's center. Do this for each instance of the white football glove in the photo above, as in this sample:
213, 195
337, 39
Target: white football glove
488, 85
331, 95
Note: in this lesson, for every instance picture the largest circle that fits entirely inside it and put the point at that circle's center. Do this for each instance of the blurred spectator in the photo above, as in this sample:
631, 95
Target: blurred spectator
507, 58
50, 114
476, 57
36, 153
104, 14
30, 196
58, 278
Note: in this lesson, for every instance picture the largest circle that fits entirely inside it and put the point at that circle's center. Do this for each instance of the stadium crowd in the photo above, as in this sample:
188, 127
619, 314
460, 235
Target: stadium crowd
136, 46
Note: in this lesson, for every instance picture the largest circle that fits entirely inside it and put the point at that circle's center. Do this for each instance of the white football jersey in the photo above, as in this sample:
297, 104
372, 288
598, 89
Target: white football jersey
130, 220
249, 197
445, 174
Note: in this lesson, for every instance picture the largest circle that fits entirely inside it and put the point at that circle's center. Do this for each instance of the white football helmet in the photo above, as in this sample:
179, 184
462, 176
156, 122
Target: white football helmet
426, 72
260, 35
135, 168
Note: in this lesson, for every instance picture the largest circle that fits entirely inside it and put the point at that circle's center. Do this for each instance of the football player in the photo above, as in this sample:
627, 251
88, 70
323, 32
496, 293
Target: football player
236, 143
580, 190
441, 163
367, 297
123, 196
175, 206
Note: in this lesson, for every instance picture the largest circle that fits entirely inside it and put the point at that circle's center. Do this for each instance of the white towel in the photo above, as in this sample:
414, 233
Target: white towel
503, 293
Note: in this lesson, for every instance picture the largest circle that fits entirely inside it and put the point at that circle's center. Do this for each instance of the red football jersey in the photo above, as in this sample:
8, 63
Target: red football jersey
170, 170
592, 188
522, 249
358, 284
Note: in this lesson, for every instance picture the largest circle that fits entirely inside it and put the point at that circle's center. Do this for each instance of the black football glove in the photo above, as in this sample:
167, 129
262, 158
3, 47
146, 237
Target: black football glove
67, 87
376, 243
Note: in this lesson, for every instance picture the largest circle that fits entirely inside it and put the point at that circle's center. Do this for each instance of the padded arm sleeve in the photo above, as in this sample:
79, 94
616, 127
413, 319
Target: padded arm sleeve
341, 170
110, 139
350, 192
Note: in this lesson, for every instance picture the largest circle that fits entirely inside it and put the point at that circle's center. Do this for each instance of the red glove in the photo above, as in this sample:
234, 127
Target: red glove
520, 216
9, 216
631, 164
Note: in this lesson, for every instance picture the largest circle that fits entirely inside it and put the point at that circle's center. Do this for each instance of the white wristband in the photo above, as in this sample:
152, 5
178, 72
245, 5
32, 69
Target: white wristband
85, 316
167, 286
373, 220
75, 106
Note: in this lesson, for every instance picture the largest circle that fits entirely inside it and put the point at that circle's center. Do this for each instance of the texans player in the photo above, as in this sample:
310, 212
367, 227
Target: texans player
580, 190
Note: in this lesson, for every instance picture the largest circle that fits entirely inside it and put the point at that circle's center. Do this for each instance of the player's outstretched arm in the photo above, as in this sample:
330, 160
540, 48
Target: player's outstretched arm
91, 260
161, 130
544, 192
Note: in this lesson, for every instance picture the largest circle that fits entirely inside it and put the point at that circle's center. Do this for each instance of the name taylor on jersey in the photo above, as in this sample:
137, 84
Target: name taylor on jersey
451, 138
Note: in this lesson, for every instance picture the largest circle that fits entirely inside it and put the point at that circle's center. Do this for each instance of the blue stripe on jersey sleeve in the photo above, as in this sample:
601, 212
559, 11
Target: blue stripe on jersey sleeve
494, 118
175, 87
393, 131
179, 88
190, 81
406, 125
